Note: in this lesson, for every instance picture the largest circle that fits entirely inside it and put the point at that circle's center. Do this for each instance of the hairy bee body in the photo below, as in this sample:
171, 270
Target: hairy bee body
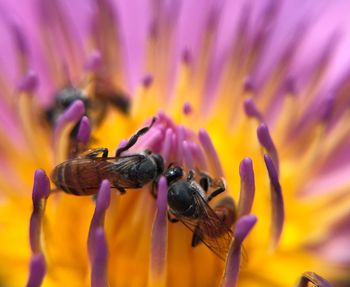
188, 202
83, 175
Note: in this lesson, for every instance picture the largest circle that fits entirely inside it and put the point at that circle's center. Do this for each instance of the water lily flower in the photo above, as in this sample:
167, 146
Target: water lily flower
251, 96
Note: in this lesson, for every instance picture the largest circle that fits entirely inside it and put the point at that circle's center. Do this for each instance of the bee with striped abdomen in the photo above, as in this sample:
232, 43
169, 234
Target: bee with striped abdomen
83, 175
188, 202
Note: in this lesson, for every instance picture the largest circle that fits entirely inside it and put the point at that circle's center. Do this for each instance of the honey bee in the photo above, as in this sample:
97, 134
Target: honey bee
95, 106
188, 202
84, 174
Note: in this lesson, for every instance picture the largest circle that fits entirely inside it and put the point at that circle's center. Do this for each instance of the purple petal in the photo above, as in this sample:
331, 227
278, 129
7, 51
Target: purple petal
99, 276
159, 235
246, 196
311, 277
242, 228
210, 151
266, 141
37, 270
84, 131
276, 202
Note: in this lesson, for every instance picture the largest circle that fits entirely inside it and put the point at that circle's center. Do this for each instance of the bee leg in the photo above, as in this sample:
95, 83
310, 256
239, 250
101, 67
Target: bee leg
190, 175
134, 138
154, 189
310, 277
215, 193
172, 219
95, 152
205, 181
120, 189
196, 237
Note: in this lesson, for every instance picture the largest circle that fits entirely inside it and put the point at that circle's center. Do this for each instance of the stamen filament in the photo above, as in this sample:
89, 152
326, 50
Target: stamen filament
246, 196
158, 256
242, 228
277, 205
41, 190
187, 155
210, 151
97, 221
99, 276
37, 270
267, 142
251, 110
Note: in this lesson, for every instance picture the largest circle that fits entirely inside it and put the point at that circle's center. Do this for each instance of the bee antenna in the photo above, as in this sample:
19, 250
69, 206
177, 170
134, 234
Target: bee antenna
153, 121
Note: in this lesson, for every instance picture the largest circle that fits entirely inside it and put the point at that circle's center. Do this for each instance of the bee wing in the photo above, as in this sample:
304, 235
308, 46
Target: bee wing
118, 170
209, 228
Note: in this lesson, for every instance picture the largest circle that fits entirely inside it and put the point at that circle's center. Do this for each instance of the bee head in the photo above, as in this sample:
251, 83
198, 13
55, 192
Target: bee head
173, 174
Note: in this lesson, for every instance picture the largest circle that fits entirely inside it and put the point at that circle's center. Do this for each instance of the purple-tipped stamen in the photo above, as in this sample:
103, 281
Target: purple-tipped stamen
37, 270
84, 131
311, 277
94, 61
29, 82
276, 202
188, 158
210, 151
99, 276
41, 190
242, 228
41, 187
167, 144
267, 142
187, 109
198, 155
180, 137
147, 81
71, 115
248, 84
251, 110
159, 235
102, 203
187, 57
246, 196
